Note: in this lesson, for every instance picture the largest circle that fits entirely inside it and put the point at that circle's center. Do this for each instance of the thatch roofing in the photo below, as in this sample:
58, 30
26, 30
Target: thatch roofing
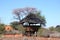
31, 18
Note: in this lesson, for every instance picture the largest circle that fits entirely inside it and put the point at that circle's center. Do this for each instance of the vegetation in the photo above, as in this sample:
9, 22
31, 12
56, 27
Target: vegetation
1, 28
43, 32
58, 28
17, 26
29, 13
21, 14
41, 17
14, 24
52, 28
46, 32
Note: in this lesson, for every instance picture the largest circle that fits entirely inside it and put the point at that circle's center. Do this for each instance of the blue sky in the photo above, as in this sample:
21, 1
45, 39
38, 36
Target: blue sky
49, 8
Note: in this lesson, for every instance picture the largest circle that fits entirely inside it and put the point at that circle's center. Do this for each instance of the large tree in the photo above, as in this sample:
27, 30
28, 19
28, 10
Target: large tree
23, 12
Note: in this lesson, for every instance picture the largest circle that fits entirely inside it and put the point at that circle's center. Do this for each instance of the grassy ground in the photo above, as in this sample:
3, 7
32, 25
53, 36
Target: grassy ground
29, 38
1, 35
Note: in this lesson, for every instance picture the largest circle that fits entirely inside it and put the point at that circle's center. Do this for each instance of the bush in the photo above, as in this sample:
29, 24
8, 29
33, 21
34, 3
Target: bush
43, 32
1, 28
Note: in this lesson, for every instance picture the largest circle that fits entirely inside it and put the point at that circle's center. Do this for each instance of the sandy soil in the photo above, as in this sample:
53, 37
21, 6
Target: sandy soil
28, 38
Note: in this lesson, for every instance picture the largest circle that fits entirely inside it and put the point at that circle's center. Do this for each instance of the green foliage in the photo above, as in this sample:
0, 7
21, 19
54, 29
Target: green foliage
43, 32
14, 24
42, 18
25, 11
20, 14
20, 28
17, 26
52, 28
39, 33
1, 28
58, 28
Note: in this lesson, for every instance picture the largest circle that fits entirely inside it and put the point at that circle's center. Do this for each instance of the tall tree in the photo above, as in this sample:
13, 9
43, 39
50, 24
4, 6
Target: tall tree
28, 13
23, 12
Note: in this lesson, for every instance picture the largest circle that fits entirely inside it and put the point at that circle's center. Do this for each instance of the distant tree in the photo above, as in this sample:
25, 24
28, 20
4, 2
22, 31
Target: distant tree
58, 28
52, 28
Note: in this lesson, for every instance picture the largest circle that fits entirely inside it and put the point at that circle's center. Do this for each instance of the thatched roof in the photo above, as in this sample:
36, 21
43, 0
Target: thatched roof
31, 18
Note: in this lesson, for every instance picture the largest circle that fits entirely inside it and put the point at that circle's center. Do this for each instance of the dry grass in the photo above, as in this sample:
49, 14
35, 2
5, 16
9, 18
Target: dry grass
13, 37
